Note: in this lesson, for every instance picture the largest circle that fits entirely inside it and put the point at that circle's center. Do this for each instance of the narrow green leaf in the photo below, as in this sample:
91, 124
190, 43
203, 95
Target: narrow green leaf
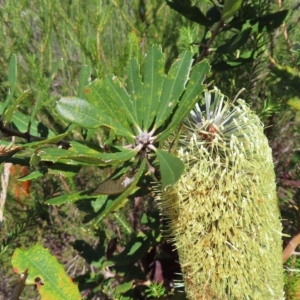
12, 69
185, 8
35, 159
236, 42
86, 115
153, 83
83, 148
21, 121
63, 170
271, 21
53, 154
243, 59
173, 87
112, 205
52, 140
9, 112
41, 264
68, 198
111, 158
12, 78
98, 203
135, 89
190, 96
284, 81
230, 8
88, 156
171, 167
105, 158
33, 175
113, 187
44, 93
36, 107
53, 73
84, 76
124, 287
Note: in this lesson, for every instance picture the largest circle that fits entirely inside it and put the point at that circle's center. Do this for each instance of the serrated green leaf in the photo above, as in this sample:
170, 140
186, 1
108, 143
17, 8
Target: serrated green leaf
53, 154
86, 115
135, 88
9, 112
230, 8
119, 95
173, 87
153, 83
84, 76
171, 167
98, 94
12, 78
41, 264
79, 111
112, 205
70, 198
190, 96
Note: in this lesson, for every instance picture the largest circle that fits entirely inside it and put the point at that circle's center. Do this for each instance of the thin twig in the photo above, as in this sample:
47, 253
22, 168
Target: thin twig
206, 47
28, 137
290, 248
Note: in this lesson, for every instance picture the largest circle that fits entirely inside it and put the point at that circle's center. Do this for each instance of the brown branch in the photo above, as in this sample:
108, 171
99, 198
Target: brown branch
206, 47
290, 248
8, 131
291, 183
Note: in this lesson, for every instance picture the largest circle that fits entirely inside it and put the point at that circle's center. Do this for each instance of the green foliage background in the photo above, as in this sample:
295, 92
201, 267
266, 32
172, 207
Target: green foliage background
52, 41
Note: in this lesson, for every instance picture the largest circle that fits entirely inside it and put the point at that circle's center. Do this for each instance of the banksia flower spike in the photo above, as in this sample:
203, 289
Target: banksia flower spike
223, 213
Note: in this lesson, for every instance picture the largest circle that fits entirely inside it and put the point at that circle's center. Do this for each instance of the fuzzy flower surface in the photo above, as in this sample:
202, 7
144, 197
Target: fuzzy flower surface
223, 213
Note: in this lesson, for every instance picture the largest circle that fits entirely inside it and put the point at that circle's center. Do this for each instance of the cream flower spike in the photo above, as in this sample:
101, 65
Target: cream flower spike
223, 212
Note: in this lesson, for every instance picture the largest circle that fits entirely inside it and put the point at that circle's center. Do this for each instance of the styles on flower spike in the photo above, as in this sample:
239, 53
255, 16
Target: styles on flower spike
223, 212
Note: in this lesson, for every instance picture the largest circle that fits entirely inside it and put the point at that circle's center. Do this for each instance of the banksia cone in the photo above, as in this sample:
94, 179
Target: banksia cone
223, 213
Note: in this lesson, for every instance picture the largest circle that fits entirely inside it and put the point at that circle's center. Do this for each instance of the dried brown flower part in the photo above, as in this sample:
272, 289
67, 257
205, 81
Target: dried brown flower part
7, 149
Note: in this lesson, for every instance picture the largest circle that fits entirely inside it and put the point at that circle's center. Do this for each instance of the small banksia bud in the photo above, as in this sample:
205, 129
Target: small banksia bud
223, 212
